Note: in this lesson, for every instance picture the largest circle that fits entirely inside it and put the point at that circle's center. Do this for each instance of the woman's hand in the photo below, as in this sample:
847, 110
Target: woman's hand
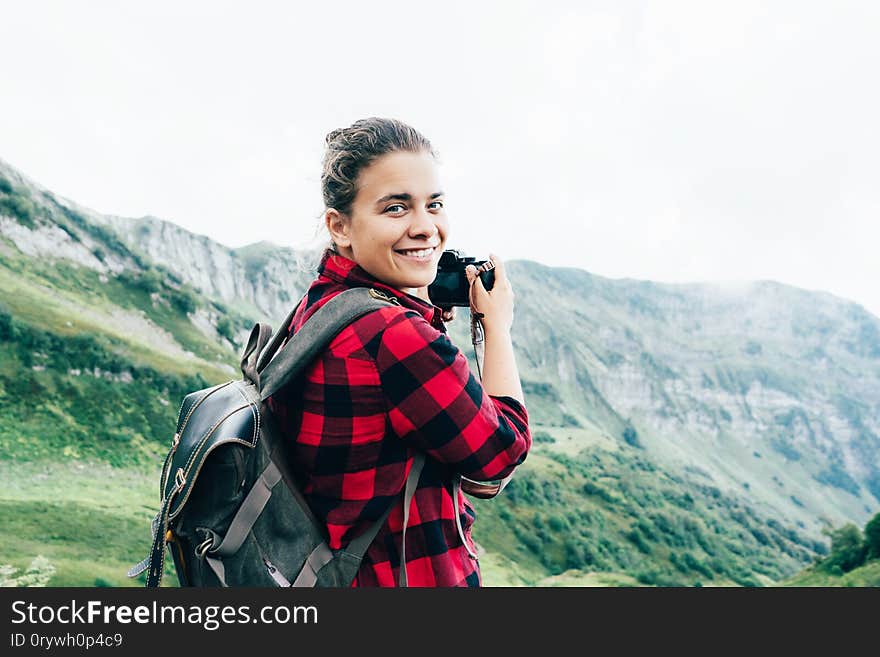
496, 305
500, 374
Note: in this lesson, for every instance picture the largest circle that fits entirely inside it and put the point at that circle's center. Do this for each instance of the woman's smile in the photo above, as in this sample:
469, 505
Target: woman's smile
422, 255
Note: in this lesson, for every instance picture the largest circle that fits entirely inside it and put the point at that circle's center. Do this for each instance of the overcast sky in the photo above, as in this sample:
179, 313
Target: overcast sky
670, 141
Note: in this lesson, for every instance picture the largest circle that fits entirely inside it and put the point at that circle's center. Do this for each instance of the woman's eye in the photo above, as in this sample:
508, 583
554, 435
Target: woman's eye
391, 208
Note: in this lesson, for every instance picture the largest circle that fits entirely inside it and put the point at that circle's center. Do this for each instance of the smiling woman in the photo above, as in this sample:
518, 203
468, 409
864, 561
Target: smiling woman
391, 385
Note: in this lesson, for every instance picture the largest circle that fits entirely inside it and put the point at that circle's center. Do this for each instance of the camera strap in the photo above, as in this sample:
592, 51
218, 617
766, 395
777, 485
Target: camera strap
477, 336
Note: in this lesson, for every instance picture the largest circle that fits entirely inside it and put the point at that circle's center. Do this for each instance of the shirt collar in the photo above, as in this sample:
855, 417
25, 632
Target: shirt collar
347, 272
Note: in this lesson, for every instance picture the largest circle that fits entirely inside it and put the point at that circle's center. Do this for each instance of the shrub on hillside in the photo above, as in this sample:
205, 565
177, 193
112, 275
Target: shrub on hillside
636, 538
872, 537
184, 300
848, 548
557, 523
38, 573
570, 420
592, 488
8, 332
631, 437
149, 281
537, 436
224, 328
20, 208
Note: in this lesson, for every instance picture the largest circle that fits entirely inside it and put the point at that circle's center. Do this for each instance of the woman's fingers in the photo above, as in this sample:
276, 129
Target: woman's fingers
473, 282
500, 269
496, 306
477, 288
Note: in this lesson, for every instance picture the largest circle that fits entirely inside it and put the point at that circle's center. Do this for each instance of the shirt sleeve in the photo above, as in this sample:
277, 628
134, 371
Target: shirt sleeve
436, 402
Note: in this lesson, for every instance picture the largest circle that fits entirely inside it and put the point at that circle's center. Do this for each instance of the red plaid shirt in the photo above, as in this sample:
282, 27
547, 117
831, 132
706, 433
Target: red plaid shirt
391, 383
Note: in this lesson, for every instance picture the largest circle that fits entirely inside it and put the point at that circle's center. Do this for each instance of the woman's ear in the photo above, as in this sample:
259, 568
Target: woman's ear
338, 225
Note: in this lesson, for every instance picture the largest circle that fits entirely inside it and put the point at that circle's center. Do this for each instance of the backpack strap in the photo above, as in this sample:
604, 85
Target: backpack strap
357, 547
257, 340
412, 481
316, 334
266, 355
456, 494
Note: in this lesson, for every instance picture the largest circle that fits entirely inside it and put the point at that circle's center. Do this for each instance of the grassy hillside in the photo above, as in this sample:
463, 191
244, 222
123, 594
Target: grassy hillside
82, 391
854, 559
600, 519
91, 520
609, 509
867, 575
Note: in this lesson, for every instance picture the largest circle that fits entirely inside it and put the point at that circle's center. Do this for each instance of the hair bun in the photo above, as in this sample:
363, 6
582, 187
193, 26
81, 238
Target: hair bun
333, 134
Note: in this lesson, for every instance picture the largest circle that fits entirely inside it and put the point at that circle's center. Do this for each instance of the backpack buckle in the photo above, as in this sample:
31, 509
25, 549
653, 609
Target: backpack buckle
383, 296
203, 547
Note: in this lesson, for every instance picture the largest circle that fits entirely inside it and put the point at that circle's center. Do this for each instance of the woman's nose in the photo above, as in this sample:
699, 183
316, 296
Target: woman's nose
422, 223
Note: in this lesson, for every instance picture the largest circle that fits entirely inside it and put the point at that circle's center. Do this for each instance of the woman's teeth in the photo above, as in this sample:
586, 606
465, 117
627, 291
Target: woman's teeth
420, 253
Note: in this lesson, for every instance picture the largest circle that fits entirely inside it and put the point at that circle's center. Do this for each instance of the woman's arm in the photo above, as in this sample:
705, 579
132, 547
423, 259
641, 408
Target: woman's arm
500, 375
435, 401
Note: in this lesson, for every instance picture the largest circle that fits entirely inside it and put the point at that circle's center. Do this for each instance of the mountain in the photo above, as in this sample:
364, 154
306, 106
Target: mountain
767, 390
683, 433
260, 279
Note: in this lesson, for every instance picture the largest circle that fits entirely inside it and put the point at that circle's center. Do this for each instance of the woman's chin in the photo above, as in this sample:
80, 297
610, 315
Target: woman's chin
421, 279
410, 288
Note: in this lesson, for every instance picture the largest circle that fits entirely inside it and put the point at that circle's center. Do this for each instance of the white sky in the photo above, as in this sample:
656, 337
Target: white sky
670, 141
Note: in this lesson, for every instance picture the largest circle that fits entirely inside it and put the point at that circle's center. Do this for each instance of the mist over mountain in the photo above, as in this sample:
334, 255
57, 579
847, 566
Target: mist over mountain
732, 424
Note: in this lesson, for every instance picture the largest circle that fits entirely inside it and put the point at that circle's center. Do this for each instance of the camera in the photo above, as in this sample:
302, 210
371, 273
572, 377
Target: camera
450, 287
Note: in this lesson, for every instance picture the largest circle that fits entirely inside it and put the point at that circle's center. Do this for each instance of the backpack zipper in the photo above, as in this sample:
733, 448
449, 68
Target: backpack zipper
275, 574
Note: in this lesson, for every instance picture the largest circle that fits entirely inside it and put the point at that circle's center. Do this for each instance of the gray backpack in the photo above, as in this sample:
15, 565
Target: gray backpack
231, 513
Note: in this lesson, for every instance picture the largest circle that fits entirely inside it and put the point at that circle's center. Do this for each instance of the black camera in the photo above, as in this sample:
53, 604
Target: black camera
450, 287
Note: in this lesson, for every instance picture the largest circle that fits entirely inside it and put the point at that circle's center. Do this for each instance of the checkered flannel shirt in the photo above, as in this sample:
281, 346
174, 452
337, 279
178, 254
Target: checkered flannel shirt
391, 383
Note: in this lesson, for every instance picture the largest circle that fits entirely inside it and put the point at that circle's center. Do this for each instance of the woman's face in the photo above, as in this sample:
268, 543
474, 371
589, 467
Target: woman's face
397, 227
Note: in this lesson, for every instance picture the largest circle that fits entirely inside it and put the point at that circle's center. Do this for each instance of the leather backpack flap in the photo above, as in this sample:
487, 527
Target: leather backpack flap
229, 413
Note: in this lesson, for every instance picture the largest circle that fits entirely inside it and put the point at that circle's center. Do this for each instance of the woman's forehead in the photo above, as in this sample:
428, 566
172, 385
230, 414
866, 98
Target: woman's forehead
413, 174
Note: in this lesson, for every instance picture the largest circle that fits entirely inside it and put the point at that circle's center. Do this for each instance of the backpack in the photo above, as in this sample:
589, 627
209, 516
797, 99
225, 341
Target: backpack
231, 513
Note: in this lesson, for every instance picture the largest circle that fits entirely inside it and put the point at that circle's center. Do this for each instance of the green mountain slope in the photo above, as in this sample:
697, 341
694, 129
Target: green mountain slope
610, 509
867, 575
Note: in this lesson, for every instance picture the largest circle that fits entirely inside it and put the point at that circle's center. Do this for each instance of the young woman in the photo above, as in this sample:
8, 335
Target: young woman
391, 383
